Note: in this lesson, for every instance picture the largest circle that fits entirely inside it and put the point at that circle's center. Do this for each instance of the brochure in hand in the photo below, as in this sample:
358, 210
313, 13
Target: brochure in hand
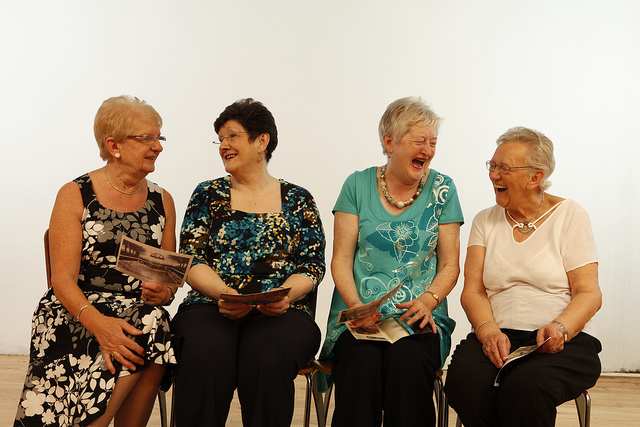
257, 298
152, 264
515, 355
389, 329
365, 310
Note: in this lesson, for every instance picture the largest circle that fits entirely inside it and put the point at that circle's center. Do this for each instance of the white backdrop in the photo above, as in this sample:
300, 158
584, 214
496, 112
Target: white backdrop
327, 70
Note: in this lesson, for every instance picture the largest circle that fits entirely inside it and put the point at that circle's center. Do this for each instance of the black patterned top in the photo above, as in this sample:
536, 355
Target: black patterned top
253, 252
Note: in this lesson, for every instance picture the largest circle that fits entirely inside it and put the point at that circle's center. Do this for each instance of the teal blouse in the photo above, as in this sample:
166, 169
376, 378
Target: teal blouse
395, 248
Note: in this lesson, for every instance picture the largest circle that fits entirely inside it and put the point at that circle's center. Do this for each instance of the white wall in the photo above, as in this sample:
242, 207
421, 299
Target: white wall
327, 70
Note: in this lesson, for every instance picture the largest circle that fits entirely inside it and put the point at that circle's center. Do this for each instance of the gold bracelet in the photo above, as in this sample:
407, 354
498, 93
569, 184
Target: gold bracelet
484, 323
80, 311
434, 295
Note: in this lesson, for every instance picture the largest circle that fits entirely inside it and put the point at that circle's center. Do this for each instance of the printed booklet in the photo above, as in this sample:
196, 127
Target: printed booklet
153, 264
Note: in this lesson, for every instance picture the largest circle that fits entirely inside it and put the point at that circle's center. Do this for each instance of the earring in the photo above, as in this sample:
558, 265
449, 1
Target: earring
117, 155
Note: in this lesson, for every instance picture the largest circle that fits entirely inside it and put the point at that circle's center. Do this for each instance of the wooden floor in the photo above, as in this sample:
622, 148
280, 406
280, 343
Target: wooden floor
615, 400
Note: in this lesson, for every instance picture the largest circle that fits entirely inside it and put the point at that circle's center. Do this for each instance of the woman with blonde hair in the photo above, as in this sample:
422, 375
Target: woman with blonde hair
100, 338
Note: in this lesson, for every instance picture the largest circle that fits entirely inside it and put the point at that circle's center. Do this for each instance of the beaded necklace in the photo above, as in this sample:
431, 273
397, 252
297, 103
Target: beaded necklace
385, 192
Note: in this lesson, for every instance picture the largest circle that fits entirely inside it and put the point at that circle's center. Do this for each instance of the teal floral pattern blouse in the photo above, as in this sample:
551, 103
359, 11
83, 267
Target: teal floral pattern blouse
394, 249
253, 252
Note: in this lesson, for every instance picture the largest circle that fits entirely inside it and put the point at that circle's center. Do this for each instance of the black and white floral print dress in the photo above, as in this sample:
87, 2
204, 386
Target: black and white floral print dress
67, 381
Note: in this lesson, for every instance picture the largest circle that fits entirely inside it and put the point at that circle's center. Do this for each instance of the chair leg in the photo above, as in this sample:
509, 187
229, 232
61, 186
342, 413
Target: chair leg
441, 402
162, 403
307, 399
321, 400
583, 405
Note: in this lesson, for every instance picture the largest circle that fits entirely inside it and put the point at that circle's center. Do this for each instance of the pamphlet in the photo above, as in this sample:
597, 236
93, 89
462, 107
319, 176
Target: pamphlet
257, 298
389, 329
153, 264
365, 310
515, 355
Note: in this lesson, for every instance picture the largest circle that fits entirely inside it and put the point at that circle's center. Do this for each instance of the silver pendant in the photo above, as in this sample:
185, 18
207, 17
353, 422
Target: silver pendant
526, 228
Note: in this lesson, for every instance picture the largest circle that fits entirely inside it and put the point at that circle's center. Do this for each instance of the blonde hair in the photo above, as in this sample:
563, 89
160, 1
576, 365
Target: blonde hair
539, 150
403, 113
116, 118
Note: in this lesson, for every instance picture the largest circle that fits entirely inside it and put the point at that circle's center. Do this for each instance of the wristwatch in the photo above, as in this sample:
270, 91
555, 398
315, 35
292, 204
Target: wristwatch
434, 295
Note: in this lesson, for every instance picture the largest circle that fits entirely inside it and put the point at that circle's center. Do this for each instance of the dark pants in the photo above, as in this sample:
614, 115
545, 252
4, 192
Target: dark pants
378, 379
259, 355
530, 388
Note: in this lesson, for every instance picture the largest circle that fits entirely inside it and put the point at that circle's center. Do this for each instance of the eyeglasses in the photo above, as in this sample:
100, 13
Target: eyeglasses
148, 139
503, 167
231, 138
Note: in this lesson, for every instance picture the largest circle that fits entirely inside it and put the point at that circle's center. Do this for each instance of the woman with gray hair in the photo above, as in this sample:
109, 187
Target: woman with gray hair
396, 224
531, 279
100, 338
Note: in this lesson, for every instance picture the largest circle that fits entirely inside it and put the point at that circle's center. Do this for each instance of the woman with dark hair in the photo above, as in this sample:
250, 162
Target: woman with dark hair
249, 233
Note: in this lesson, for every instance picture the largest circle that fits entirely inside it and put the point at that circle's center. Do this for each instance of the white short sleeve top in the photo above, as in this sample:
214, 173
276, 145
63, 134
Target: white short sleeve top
527, 282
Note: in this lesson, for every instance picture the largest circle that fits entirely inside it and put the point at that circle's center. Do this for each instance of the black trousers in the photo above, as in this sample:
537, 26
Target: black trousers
259, 355
378, 380
530, 388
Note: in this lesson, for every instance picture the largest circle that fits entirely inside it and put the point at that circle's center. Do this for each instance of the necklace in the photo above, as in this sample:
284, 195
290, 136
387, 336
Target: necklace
527, 227
399, 205
117, 189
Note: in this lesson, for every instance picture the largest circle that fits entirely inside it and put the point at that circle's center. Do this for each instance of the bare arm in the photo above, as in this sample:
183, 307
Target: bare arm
65, 237
586, 300
476, 305
345, 241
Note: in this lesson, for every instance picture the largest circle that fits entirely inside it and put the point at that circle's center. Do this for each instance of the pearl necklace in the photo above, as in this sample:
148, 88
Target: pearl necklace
527, 227
399, 205
117, 189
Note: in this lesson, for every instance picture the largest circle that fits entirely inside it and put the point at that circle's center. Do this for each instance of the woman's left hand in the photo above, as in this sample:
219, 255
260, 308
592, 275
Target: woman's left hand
155, 294
416, 310
277, 308
556, 339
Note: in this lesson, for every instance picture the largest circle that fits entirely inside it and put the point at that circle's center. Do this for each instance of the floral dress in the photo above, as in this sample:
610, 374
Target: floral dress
67, 381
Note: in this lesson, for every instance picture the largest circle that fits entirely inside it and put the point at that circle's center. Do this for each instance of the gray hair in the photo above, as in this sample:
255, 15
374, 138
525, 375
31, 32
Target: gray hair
539, 150
403, 113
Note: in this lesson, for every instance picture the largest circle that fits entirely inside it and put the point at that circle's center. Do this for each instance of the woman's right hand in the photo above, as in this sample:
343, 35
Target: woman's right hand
233, 310
365, 322
496, 347
116, 345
